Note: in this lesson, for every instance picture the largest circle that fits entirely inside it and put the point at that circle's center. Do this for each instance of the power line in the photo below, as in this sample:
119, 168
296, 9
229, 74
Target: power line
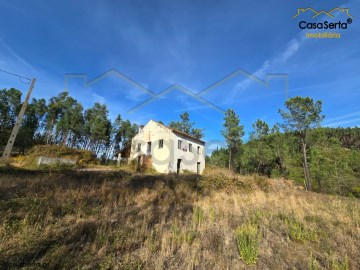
17, 75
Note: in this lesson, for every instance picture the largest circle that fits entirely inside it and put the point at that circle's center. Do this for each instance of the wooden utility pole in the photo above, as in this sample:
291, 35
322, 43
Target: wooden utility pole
14, 132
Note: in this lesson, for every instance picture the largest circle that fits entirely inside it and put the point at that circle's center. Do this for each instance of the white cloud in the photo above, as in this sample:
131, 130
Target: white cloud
343, 119
341, 123
291, 48
98, 98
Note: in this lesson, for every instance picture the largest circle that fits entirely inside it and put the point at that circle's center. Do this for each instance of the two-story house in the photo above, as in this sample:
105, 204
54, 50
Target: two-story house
167, 149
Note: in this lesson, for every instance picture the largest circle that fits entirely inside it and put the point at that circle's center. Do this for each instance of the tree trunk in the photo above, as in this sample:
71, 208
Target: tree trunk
306, 167
229, 159
50, 132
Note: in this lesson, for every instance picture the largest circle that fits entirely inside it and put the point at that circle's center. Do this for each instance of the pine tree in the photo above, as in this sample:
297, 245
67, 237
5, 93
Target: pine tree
233, 133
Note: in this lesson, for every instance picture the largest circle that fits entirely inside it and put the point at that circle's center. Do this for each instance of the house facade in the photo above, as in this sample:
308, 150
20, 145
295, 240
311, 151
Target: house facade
167, 150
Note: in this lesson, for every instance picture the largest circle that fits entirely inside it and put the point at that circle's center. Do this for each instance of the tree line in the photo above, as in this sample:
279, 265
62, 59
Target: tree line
62, 120
323, 159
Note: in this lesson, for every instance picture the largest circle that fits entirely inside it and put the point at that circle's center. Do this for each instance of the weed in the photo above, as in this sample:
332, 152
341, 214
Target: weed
313, 263
256, 217
298, 232
107, 262
212, 214
153, 241
340, 265
248, 242
190, 237
198, 217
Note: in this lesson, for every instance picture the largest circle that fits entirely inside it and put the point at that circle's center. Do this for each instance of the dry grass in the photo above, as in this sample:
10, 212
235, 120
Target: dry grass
122, 220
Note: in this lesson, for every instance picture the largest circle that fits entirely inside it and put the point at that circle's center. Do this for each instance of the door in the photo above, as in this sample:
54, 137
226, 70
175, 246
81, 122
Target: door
198, 168
178, 167
138, 162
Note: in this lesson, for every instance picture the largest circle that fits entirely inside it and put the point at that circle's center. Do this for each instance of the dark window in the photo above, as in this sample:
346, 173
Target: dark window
179, 144
198, 150
190, 147
161, 143
139, 147
148, 150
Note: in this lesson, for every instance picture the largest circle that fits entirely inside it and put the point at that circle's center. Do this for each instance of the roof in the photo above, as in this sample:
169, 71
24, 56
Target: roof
179, 132
123, 149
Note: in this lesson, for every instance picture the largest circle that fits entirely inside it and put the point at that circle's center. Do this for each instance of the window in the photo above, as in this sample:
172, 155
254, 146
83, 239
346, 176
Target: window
139, 147
161, 143
198, 150
190, 147
179, 144
148, 150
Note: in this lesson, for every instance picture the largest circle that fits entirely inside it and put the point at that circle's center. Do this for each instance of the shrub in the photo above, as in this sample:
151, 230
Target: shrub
340, 265
198, 216
313, 263
298, 232
248, 242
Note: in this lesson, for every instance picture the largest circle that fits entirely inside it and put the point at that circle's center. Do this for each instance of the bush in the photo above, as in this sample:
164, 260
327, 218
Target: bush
83, 157
248, 242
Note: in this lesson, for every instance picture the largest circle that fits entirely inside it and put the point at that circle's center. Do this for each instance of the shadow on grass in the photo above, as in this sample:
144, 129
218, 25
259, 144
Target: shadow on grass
22, 178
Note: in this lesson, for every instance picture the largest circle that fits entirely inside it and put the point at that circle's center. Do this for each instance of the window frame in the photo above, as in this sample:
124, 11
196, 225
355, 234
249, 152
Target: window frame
179, 144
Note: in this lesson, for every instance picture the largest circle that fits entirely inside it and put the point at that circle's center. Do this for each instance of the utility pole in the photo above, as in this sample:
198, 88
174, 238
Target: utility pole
14, 132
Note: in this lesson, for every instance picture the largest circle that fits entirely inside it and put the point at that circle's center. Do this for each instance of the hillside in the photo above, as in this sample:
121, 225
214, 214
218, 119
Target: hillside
124, 220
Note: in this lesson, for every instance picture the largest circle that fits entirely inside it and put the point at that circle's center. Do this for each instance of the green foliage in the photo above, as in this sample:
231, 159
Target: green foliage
302, 115
248, 242
198, 216
298, 232
186, 126
10, 104
340, 265
233, 133
331, 155
62, 121
313, 263
219, 158
261, 129
333, 169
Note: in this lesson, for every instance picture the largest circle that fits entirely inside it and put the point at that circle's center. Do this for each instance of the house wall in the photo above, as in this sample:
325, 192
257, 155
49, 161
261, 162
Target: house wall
153, 132
189, 159
165, 159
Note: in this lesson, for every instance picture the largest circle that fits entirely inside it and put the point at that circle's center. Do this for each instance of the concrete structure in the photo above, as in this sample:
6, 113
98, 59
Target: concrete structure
167, 149
53, 161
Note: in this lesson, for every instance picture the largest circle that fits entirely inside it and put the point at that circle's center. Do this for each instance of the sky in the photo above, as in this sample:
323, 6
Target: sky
249, 56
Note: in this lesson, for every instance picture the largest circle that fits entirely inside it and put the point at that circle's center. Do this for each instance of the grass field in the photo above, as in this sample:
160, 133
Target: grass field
124, 220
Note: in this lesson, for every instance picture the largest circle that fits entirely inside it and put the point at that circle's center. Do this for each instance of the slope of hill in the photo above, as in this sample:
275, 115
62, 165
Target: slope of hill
124, 220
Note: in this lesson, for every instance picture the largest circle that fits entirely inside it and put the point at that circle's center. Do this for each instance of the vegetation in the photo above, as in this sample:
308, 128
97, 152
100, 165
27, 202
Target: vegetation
248, 241
242, 211
323, 159
232, 133
63, 121
124, 220
302, 115
186, 126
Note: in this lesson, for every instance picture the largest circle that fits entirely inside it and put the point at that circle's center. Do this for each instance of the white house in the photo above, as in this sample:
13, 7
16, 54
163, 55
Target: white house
167, 149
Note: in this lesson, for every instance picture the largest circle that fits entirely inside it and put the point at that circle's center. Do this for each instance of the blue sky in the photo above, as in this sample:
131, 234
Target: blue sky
192, 44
